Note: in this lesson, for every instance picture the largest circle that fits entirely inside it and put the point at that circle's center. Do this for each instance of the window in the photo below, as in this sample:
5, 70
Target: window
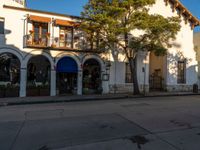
1, 26
128, 76
65, 37
181, 72
9, 69
40, 33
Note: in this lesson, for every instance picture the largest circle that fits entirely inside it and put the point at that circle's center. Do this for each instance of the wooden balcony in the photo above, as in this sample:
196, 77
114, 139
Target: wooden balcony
36, 41
55, 43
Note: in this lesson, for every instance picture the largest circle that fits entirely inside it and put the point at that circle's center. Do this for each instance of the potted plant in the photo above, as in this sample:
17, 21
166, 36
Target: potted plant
31, 32
53, 45
86, 82
48, 34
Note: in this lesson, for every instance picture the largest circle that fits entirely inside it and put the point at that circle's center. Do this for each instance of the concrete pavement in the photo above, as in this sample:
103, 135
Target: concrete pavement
153, 123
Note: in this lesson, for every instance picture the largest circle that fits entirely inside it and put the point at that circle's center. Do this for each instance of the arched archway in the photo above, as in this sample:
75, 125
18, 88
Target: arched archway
38, 76
67, 71
92, 77
9, 75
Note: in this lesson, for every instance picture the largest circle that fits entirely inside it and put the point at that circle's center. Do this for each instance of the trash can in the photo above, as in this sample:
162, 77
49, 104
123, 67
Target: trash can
195, 88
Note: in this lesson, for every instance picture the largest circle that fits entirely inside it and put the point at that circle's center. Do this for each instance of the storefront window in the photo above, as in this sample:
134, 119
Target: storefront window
9, 75
38, 76
91, 77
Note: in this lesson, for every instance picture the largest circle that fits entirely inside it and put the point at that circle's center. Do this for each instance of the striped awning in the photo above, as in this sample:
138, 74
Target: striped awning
39, 19
66, 23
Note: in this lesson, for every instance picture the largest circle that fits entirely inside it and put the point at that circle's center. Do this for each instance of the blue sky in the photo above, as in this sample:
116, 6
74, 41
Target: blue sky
74, 7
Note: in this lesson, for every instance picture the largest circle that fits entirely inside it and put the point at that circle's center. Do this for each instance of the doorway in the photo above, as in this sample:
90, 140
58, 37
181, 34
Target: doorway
92, 77
157, 72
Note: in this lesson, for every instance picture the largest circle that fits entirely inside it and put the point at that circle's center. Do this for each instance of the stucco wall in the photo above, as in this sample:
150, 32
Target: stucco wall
182, 45
197, 48
11, 3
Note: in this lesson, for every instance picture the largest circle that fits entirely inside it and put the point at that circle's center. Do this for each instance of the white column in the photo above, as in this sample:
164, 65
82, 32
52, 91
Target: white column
80, 82
53, 83
105, 85
23, 81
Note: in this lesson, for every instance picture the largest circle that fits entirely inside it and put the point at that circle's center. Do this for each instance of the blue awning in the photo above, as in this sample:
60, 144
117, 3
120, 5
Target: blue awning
67, 65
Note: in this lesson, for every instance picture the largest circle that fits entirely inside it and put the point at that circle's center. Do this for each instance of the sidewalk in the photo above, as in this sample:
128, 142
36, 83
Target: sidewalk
72, 98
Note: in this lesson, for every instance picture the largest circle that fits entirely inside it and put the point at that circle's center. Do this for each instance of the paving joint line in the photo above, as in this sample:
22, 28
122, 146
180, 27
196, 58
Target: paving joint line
19, 131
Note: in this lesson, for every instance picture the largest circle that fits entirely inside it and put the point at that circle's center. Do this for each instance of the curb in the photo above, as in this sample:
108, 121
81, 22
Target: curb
24, 102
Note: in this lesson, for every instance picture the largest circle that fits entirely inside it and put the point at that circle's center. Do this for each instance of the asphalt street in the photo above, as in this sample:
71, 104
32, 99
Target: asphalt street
156, 123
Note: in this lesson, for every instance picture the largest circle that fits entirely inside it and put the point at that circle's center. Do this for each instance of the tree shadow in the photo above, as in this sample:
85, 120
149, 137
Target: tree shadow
173, 60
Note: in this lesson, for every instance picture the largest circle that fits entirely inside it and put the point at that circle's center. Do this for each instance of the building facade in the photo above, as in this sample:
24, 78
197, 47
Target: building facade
45, 53
197, 49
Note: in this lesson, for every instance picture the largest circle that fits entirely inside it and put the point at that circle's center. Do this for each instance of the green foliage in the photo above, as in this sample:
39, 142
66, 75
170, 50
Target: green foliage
111, 21
115, 23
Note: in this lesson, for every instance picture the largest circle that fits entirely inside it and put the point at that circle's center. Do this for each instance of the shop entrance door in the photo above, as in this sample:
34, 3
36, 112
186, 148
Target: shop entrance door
67, 71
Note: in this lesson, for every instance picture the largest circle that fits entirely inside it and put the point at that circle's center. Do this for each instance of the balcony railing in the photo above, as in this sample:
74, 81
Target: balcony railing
44, 41
36, 40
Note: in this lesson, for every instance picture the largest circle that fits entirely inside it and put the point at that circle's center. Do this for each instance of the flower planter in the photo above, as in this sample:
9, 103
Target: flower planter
32, 92
38, 91
53, 45
44, 92
12, 92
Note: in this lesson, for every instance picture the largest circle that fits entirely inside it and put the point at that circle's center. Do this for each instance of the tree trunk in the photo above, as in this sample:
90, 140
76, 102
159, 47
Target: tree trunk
133, 65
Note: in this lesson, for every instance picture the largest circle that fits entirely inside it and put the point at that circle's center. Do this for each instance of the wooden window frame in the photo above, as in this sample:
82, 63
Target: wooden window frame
40, 30
72, 32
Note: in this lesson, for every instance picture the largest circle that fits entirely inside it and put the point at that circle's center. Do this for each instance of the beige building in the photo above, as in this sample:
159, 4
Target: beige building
197, 48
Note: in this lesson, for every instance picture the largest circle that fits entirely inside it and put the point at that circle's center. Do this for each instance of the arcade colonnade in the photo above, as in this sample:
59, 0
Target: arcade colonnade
64, 73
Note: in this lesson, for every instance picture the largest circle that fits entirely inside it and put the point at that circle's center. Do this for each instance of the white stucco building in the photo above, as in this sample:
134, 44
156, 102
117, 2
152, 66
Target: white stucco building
197, 49
44, 53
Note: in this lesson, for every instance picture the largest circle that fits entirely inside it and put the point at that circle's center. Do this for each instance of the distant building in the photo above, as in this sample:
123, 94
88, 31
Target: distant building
45, 53
197, 48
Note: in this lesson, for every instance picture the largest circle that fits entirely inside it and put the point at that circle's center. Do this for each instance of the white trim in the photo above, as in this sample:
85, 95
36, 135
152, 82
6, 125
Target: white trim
97, 58
14, 52
71, 55
34, 53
